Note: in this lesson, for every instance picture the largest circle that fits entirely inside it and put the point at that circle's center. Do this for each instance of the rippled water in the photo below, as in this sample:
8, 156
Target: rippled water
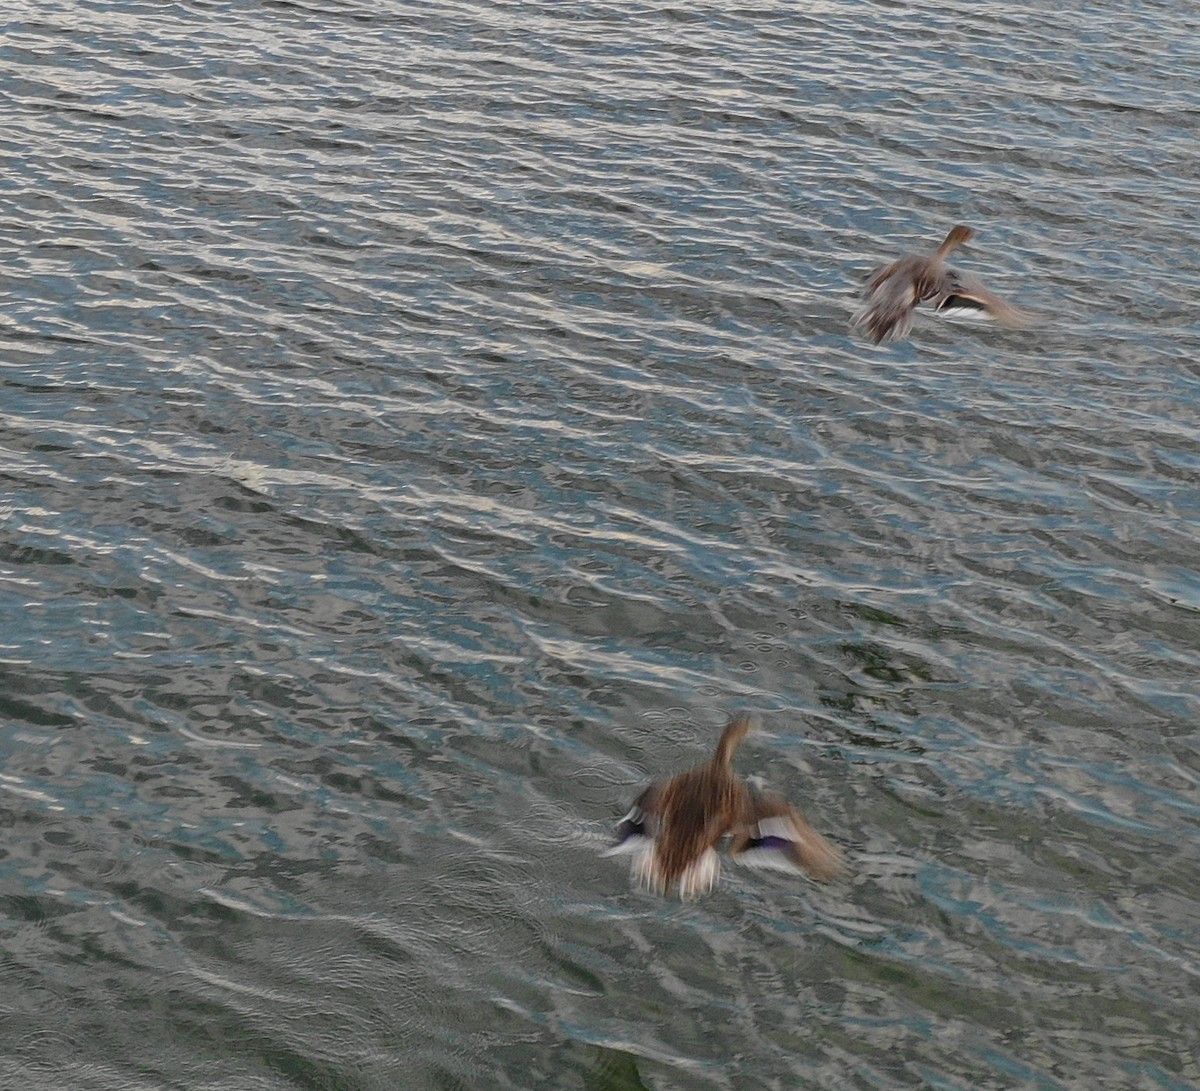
424, 422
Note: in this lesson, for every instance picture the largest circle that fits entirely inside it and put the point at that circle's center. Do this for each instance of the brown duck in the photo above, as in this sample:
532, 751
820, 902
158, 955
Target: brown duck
894, 291
675, 826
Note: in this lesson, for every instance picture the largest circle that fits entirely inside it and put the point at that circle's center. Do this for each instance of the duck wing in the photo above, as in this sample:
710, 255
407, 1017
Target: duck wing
892, 294
964, 294
637, 830
773, 834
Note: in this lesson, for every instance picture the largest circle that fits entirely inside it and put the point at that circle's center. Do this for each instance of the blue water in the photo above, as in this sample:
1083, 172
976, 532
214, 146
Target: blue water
422, 424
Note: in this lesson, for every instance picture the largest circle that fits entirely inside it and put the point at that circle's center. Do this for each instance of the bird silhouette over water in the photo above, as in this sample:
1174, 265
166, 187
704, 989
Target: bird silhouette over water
675, 826
894, 291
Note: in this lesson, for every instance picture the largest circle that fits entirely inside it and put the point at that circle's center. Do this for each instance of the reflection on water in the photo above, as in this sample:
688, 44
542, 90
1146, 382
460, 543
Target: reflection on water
422, 426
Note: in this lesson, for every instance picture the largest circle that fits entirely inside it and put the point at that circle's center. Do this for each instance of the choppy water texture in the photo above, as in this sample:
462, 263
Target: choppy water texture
423, 422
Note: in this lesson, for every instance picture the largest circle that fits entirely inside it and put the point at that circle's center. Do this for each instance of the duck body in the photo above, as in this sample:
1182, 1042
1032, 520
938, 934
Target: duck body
894, 291
675, 826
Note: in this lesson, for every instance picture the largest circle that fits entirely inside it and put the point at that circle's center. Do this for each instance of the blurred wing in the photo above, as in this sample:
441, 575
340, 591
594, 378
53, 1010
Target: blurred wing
890, 297
963, 294
885, 320
637, 830
775, 835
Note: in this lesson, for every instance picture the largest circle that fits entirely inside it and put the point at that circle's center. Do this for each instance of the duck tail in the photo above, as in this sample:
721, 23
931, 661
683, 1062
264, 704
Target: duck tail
731, 738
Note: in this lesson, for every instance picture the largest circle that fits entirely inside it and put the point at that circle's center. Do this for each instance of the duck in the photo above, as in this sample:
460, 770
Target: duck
894, 291
675, 825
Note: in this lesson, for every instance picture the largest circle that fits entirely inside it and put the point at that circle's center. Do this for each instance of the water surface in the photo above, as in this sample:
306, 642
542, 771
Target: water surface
423, 423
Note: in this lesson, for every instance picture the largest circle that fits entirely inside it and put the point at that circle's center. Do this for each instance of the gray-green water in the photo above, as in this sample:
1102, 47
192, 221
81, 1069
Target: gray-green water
423, 422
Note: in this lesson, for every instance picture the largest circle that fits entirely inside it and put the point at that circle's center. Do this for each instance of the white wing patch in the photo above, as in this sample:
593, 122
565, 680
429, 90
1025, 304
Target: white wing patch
631, 845
779, 825
701, 876
774, 857
645, 865
768, 859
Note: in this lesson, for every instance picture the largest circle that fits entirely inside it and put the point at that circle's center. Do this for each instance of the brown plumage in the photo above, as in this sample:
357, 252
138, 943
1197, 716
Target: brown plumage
675, 826
894, 291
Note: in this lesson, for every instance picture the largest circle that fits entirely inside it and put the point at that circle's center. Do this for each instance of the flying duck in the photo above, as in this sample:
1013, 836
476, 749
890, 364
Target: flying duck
675, 826
895, 290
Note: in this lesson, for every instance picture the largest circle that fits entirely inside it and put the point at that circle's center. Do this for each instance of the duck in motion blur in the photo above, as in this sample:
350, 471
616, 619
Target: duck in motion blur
675, 826
894, 291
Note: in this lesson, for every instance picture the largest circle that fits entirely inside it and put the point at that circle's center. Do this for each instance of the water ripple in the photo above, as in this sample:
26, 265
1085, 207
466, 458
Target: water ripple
422, 426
